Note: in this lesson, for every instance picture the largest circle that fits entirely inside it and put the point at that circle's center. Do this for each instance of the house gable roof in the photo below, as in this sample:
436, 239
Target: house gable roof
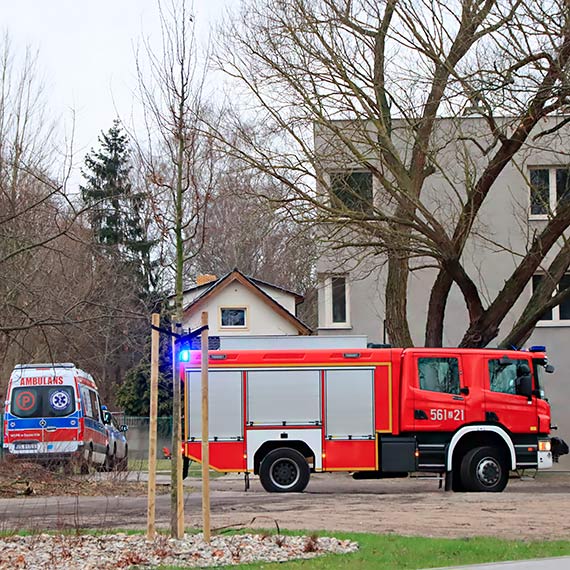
206, 286
215, 287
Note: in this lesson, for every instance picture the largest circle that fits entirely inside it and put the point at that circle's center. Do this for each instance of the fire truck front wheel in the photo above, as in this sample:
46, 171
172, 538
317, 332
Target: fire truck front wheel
484, 469
284, 470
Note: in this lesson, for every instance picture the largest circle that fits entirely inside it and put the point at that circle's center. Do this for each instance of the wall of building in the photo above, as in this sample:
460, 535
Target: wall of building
500, 238
261, 318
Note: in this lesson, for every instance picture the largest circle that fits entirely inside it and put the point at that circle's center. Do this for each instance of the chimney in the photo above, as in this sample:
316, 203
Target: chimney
202, 279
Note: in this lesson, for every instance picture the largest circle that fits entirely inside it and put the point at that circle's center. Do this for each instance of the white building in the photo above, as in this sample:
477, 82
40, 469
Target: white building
238, 305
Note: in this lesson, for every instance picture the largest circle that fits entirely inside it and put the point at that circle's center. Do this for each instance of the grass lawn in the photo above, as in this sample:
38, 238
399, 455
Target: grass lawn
385, 552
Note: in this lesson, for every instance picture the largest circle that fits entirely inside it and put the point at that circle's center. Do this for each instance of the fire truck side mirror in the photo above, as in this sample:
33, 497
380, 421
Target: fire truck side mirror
549, 369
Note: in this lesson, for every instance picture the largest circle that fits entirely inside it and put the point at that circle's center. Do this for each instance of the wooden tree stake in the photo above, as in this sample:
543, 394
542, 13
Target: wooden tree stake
205, 433
155, 342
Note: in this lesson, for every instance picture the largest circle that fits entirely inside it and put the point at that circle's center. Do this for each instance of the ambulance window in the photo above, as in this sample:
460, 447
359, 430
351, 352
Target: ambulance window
26, 402
94, 405
59, 402
439, 374
90, 403
86, 400
43, 401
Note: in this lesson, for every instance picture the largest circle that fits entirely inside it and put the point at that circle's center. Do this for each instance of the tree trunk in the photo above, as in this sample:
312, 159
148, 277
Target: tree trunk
396, 302
436, 309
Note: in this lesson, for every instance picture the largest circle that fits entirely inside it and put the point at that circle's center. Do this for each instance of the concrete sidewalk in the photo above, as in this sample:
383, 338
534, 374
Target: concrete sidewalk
560, 563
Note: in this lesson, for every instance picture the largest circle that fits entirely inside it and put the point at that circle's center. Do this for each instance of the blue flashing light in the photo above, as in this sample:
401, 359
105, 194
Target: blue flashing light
184, 355
537, 348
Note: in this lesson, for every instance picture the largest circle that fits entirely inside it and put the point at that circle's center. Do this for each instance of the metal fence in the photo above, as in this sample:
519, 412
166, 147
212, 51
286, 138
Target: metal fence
137, 434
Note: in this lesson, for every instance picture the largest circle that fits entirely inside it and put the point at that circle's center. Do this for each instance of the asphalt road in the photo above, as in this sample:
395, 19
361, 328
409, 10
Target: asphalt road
331, 502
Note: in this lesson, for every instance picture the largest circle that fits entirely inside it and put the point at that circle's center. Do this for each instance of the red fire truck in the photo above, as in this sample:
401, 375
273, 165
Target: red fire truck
469, 414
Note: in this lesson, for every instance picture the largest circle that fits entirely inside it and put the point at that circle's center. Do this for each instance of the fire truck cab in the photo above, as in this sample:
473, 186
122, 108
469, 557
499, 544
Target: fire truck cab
471, 414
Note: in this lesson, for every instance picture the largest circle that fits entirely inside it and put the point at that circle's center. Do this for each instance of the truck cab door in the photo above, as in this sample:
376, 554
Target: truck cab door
505, 401
439, 393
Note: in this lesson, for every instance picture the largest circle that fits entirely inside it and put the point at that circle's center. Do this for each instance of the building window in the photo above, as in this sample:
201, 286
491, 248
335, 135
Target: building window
336, 298
560, 312
548, 188
233, 317
352, 190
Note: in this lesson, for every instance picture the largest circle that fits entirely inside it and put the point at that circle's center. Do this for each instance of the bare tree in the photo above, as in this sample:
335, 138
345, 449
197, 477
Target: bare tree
248, 228
34, 210
375, 80
177, 160
59, 299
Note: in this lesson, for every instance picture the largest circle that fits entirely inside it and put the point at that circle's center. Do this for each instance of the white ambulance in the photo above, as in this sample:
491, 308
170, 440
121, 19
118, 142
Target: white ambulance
53, 415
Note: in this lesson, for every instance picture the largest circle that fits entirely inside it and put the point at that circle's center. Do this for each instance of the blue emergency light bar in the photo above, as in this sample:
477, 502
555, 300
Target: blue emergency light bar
184, 355
537, 348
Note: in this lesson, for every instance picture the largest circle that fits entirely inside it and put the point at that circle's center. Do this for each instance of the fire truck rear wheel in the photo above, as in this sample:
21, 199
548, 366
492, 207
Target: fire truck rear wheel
284, 470
484, 469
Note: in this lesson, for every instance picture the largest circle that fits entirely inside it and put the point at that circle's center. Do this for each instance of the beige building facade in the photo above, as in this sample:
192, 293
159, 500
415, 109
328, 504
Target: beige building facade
238, 305
351, 296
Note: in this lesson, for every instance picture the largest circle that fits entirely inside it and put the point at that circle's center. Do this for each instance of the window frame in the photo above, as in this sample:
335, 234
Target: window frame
329, 323
422, 359
555, 321
243, 308
552, 190
41, 393
517, 362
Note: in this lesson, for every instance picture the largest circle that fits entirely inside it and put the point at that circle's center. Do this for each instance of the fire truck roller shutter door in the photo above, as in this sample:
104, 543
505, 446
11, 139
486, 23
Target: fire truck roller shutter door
349, 403
225, 410
284, 397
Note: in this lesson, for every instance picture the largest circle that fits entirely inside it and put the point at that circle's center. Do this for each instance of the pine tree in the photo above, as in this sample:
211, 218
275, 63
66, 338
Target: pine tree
116, 210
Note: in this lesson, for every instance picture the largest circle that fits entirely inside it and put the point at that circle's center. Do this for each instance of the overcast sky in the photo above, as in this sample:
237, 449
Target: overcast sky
86, 53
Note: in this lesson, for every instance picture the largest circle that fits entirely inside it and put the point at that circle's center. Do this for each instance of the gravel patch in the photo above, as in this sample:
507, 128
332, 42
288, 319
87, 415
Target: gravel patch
109, 552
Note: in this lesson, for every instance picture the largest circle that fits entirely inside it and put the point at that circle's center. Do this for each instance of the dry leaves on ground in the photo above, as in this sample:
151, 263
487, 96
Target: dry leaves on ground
19, 478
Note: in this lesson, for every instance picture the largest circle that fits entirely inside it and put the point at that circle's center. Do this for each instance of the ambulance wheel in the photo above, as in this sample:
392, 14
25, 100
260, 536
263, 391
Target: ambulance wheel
87, 464
484, 469
109, 464
123, 464
69, 466
284, 471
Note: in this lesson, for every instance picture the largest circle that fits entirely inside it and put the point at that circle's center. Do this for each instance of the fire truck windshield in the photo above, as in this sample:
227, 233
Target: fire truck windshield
42, 401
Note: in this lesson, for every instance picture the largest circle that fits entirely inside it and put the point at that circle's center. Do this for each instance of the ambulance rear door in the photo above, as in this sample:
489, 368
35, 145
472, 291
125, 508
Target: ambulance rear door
42, 411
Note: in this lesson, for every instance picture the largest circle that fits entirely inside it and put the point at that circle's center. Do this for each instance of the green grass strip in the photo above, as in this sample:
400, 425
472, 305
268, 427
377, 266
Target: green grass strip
401, 552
